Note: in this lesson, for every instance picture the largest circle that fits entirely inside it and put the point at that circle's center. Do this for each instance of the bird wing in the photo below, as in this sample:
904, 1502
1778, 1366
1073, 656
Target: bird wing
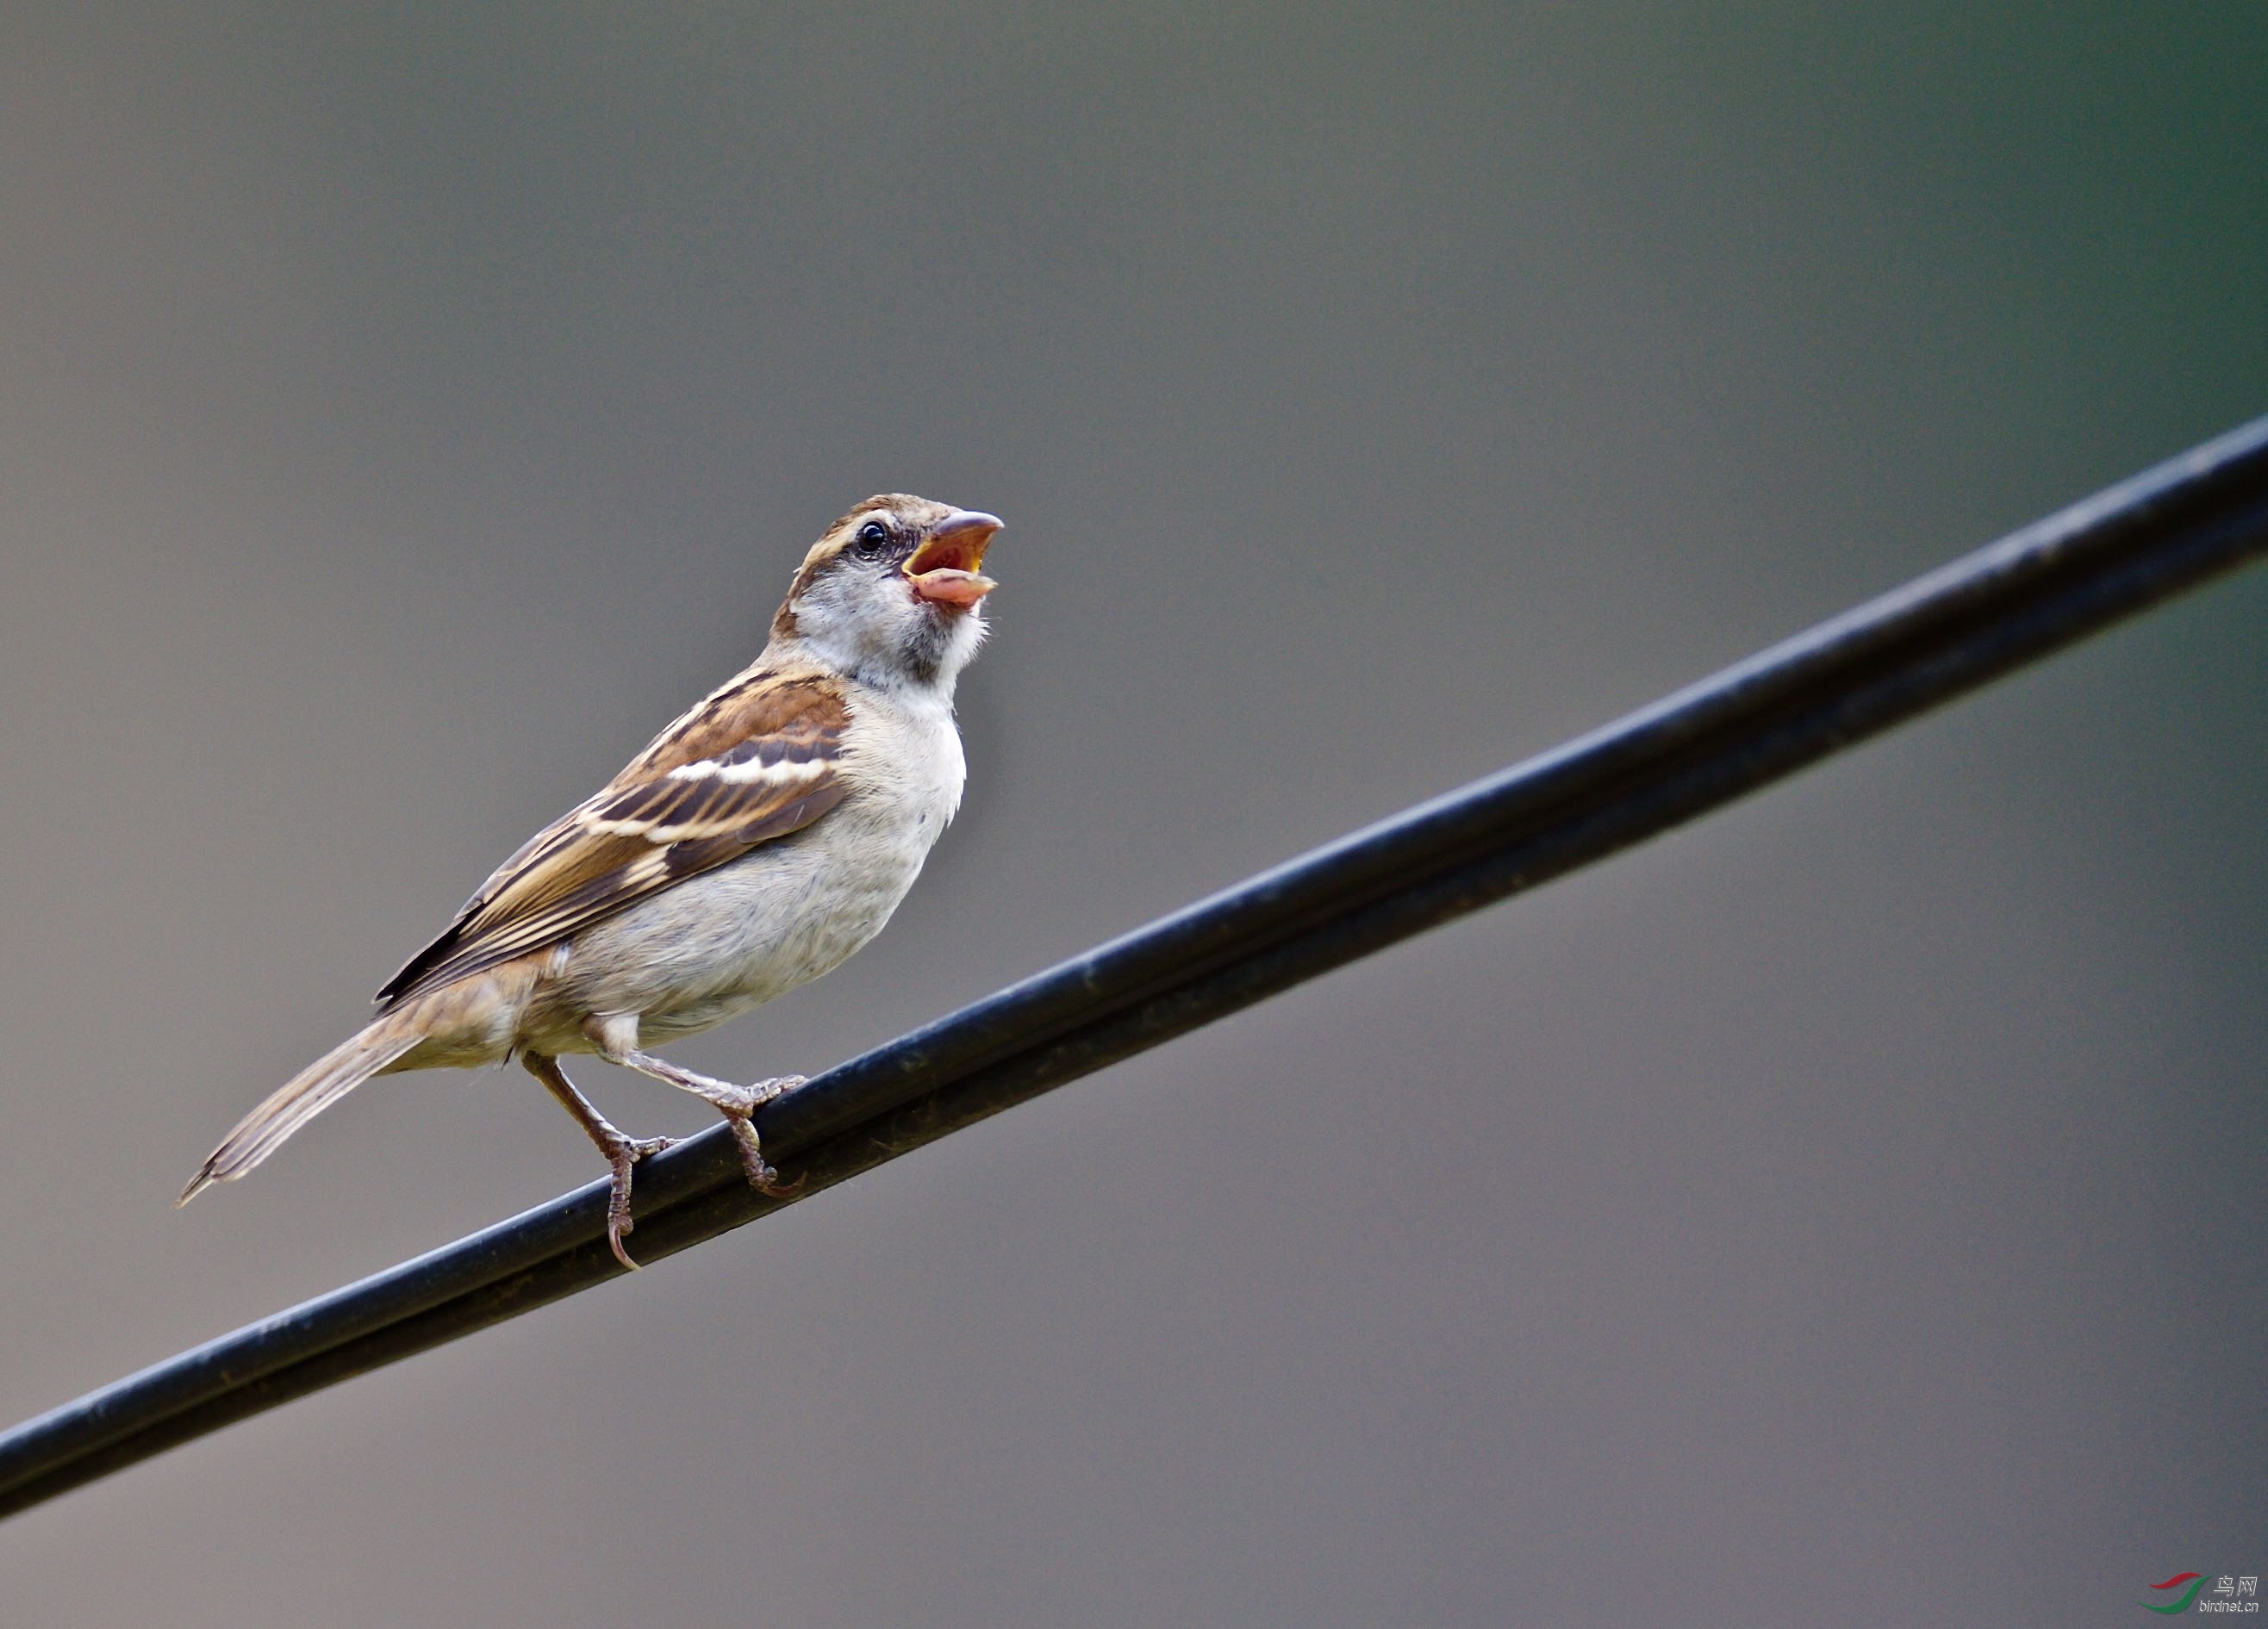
758, 760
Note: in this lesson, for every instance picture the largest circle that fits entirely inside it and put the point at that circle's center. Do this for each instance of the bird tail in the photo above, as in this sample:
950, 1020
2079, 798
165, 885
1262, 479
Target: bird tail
305, 1095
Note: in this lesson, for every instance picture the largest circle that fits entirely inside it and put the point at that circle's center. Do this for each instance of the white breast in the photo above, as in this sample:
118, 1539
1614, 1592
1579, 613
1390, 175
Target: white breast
717, 945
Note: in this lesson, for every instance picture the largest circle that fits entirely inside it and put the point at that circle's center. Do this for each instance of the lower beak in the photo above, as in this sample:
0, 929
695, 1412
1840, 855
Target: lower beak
944, 569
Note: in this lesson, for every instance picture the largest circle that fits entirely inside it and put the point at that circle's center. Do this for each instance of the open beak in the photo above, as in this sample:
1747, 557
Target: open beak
944, 569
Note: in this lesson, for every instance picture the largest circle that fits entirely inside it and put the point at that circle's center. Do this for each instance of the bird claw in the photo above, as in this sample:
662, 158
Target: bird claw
737, 1104
762, 1176
622, 1155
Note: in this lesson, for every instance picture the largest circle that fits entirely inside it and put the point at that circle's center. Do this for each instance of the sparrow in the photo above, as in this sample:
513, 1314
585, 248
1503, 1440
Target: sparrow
753, 845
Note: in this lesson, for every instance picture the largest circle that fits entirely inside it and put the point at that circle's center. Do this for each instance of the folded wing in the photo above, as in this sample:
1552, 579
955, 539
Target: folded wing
755, 761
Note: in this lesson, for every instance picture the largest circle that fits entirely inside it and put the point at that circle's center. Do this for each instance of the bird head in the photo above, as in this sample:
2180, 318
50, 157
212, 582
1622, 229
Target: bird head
892, 592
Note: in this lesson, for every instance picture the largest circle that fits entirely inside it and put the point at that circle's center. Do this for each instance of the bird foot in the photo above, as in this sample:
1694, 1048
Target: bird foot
739, 1105
622, 1154
762, 1177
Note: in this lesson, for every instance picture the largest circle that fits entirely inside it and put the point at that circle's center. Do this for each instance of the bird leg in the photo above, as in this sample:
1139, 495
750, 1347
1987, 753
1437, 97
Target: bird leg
737, 1104
622, 1152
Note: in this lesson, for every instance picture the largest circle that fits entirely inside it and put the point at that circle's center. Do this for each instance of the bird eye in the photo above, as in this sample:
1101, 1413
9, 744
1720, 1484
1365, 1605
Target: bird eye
872, 538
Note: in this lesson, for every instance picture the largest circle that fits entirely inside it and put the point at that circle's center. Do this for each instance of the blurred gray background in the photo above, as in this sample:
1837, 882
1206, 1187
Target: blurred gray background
1848, 1209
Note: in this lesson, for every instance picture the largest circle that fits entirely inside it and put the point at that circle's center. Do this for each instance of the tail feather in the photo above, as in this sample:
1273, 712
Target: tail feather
305, 1095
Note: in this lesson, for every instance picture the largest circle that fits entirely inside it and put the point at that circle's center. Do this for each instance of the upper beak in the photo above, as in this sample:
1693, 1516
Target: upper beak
944, 569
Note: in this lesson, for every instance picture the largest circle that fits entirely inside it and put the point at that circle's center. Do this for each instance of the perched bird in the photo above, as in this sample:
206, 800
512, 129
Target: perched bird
753, 845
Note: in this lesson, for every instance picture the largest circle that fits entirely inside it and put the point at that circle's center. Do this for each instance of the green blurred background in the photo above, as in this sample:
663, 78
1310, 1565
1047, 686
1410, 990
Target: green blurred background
1851, 1208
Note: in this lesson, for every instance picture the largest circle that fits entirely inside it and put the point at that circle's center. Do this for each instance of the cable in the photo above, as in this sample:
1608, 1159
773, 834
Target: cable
1945, 634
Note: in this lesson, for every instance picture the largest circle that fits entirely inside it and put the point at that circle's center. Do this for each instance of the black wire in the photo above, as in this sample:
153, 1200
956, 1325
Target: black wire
1957, 628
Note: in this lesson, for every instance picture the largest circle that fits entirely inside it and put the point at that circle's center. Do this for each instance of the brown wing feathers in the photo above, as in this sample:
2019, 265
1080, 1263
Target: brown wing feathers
755, 762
